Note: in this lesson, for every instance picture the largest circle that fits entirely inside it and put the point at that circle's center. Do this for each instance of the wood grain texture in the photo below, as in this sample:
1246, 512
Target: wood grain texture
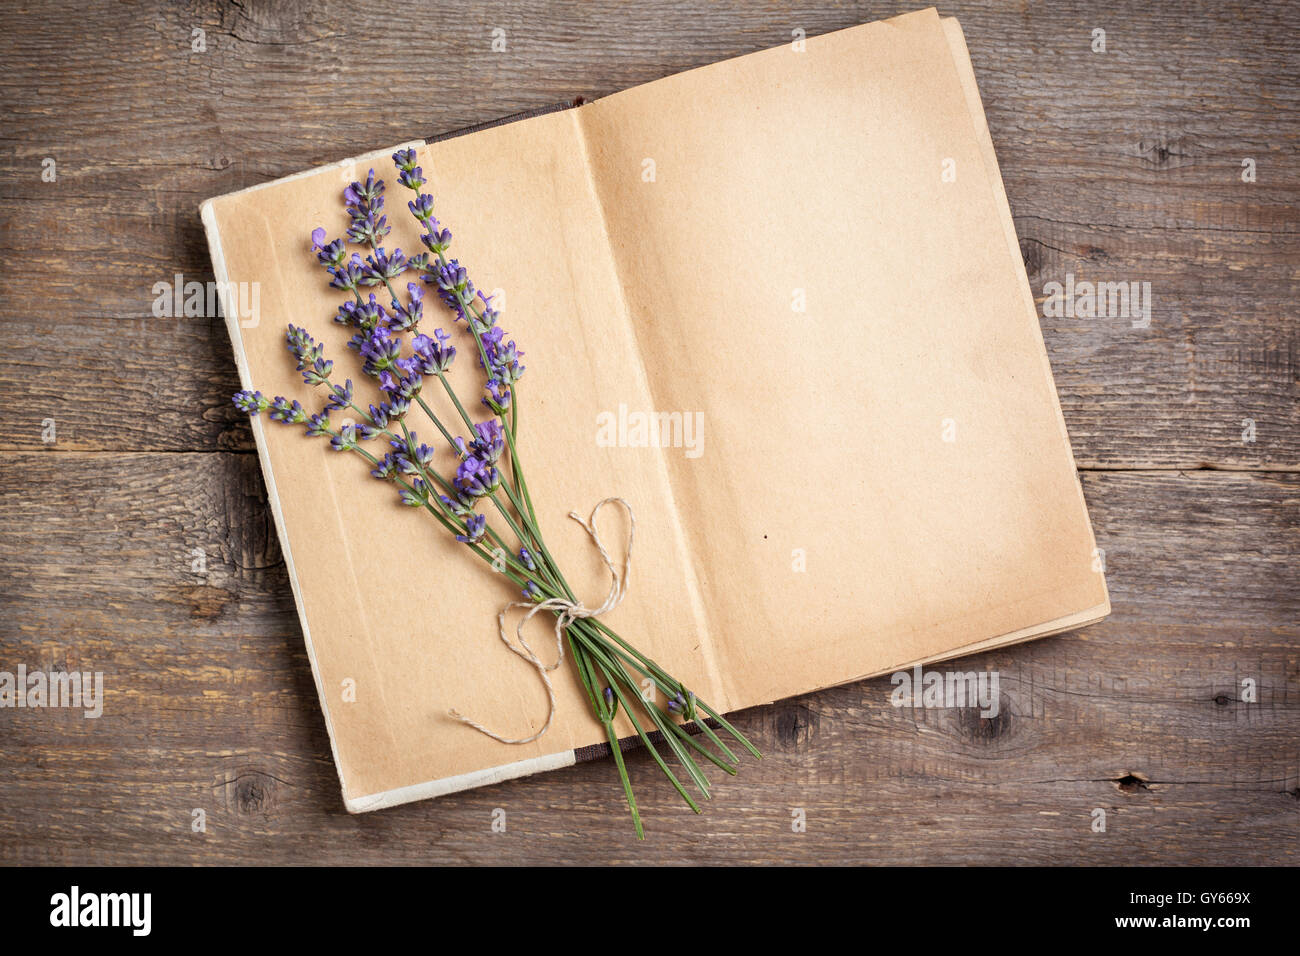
1122, 166
210, 705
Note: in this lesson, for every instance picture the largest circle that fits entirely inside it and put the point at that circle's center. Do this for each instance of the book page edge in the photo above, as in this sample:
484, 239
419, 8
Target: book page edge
467, 781
231, 314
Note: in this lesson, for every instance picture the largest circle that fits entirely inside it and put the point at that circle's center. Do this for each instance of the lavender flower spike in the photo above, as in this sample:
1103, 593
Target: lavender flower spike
251, 402
475, 528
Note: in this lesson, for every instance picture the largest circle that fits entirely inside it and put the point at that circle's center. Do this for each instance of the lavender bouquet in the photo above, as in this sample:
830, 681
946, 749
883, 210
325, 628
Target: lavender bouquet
484, 500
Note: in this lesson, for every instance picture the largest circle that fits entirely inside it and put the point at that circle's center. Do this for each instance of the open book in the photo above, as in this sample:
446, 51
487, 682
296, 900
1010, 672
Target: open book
777, 304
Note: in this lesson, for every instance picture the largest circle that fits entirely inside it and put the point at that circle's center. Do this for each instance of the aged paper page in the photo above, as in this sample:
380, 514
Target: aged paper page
884, 476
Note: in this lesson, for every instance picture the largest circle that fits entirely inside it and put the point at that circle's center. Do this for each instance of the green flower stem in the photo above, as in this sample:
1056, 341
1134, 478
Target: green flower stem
515, 465
645, 738
672, 682
438, 422
607, 719
434, 477
705, 729
656, 715
524, 539
670, 686
451, 393
617, 751
467, 303
530, 516
689, 740
671, 731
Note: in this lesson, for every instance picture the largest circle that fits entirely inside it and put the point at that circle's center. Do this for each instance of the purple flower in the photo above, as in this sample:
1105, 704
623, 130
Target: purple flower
386, 469
318, 426
404, 159
488, 444
304, 348
453, 285
411, 178
421, 207
404, 464
380, 350
460, 506
405, 386
365, 316
370, 190
340, 396
408, 316
475, 528
396, 407
332, 254
287, 412
383, 265
502, 357
410, 175
487, 316
348, 275
477, 478
365, 205
251, 402
417, 496
526, 557
434, 355
683, 705
318, 373
346, 439
498, 397
437, 240
532, 592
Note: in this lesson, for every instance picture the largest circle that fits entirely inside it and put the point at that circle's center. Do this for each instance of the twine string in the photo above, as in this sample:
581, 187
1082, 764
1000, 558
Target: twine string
566, 612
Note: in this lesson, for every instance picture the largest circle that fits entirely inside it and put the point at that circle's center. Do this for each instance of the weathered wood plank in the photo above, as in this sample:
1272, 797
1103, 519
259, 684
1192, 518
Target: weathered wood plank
210, 704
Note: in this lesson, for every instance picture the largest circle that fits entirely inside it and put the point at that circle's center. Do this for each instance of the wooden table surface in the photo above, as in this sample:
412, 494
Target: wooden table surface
1179, 716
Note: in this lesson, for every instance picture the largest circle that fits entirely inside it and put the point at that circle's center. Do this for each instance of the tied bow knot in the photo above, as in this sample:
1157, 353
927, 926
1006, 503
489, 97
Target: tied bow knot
566, 613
